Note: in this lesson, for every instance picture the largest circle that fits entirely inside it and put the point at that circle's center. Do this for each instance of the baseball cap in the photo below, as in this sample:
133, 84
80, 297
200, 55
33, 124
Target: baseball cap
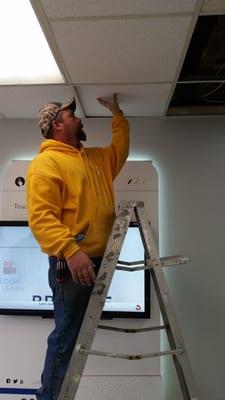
49, 111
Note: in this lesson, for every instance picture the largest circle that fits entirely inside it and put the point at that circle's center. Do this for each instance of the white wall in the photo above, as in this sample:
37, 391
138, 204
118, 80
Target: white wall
189, 156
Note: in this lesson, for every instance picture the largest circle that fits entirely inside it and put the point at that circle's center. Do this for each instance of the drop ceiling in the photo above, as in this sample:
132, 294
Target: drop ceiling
134, 48
201, 85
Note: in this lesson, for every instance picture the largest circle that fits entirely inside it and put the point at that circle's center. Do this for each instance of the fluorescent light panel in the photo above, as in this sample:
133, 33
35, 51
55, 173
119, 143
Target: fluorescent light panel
25, 55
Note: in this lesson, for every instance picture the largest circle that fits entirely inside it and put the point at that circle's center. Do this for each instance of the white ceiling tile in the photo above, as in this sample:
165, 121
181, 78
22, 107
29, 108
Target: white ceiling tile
135, 100
93, 8
213, 7
25, 101
116, 51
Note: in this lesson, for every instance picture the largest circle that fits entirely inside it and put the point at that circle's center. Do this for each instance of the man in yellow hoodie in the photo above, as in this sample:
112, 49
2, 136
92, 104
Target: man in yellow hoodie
71, 210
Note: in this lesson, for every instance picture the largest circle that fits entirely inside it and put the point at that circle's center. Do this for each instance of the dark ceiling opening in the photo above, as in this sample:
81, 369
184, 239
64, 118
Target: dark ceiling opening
201, 85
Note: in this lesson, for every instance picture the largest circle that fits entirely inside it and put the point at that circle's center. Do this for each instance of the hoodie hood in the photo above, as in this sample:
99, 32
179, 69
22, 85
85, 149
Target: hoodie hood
56, 145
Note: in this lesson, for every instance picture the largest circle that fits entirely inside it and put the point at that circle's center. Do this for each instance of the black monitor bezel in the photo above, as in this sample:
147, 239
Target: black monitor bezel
105, 314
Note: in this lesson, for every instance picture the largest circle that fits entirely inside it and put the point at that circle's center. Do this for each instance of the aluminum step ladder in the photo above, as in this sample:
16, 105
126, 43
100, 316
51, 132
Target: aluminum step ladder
126, 211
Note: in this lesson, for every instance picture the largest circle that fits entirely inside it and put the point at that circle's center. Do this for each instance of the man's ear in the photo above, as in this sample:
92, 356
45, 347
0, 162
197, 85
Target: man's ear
56, 125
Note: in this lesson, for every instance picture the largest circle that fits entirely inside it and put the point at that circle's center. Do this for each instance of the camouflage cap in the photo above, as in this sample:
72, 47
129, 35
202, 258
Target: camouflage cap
49, 111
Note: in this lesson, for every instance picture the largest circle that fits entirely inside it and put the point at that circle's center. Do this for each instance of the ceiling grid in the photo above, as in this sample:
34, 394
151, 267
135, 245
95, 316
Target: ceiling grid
136, 49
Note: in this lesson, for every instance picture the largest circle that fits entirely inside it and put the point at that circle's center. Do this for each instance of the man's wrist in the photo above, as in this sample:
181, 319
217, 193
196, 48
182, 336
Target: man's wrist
118, 112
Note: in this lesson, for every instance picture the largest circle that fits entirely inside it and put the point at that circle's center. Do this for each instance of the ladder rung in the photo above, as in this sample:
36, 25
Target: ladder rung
131, 330
129, 356
139, 262
132, 269
164, 261
174, 260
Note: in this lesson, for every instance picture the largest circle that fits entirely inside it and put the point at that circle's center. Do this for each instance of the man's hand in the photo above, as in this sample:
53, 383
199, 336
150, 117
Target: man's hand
81, 268
112, 106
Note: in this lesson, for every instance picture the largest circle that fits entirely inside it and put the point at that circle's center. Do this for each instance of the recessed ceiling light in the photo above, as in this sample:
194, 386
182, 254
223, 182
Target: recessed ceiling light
25, 55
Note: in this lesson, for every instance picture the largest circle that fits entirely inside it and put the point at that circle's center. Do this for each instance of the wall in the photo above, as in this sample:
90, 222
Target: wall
189, 156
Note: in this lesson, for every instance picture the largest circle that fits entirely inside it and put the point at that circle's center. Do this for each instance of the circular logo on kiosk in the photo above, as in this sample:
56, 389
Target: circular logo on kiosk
20, 181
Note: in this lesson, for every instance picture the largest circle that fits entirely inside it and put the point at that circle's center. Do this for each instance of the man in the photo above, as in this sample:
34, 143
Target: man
70, 203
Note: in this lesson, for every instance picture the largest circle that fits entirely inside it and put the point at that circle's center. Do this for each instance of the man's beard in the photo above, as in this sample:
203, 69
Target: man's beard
80, 134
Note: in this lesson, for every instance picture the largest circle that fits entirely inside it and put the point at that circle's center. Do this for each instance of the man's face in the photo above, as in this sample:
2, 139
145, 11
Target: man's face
73, 125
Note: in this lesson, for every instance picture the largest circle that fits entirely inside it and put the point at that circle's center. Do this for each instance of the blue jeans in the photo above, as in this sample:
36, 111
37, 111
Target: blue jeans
70, 303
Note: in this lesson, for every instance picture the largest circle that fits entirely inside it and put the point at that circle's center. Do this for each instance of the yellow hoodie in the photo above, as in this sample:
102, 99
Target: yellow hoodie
70, 193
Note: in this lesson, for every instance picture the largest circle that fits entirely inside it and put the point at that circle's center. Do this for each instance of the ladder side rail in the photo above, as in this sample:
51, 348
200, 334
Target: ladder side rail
96, 302
182, 364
